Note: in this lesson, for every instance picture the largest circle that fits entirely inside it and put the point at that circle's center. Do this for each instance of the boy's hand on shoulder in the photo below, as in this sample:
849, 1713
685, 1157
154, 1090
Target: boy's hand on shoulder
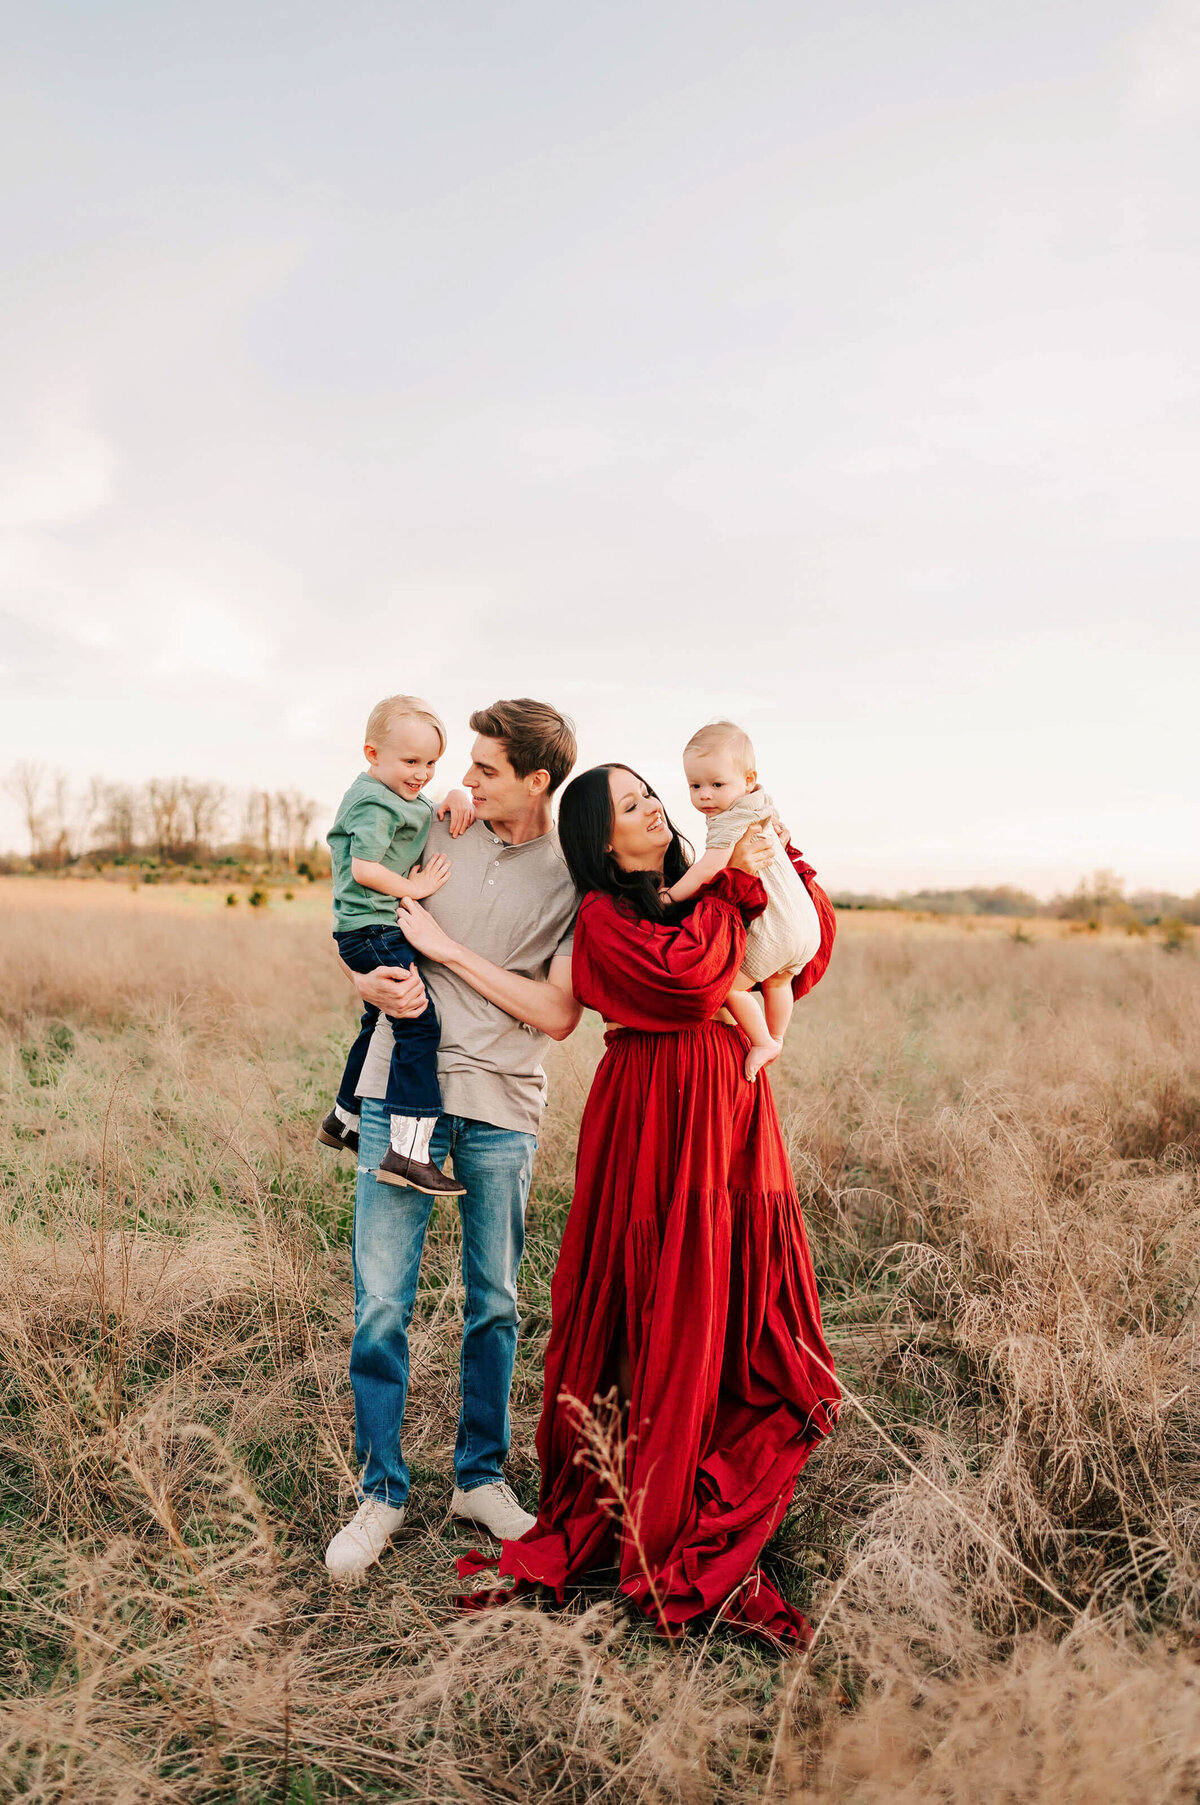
461, 810
431, 876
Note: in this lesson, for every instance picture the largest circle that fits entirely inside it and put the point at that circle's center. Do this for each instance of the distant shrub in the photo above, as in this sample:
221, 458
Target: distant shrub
258, 899
1175, 933
231, 899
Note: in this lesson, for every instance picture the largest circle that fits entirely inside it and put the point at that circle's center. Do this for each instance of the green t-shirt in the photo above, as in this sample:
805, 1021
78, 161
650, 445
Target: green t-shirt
373, 823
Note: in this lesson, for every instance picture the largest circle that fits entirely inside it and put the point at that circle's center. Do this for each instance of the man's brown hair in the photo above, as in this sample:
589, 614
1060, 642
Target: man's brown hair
534, 735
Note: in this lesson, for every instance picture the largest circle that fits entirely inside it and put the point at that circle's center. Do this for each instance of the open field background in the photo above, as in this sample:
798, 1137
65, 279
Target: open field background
997, 1140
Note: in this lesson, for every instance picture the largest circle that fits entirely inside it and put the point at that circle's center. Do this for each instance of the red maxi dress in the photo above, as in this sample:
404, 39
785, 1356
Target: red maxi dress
685, 1240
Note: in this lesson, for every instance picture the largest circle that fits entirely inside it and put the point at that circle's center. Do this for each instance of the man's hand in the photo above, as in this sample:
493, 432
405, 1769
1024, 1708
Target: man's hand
393, 989
423, 932
431, 877
461, 810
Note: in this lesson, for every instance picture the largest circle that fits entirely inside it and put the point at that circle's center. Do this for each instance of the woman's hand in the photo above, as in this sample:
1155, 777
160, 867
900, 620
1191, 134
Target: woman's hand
423, 932
754, 851
431, 877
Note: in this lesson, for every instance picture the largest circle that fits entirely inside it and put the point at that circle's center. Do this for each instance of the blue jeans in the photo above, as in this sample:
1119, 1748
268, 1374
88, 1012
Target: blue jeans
496, 1166
412, 1086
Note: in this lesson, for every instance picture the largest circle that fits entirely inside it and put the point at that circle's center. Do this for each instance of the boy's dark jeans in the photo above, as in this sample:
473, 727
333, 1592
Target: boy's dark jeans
412, 1087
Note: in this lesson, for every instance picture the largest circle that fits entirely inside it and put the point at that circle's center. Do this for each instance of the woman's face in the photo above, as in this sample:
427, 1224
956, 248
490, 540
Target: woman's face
639, 835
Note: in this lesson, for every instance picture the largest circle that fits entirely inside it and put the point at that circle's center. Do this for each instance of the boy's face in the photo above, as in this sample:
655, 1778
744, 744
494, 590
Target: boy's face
714, 780
407, 759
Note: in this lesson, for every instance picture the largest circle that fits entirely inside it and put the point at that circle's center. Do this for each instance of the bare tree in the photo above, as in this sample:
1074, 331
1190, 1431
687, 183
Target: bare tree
24, 785
258, 823
56, 822
176, 817
164, 802
203, 805
295, 816
89, 814
263, 804
119, 818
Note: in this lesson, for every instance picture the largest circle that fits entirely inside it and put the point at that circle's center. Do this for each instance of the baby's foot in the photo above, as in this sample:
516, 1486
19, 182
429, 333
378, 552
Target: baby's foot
758, 1057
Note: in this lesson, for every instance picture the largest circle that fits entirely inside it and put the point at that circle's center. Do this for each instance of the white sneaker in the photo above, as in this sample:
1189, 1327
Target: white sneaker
494, 1508
364, 1538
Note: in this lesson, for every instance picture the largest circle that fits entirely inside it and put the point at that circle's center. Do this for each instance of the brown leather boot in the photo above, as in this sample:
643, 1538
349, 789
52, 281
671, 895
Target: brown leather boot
396, 1169
334, 1133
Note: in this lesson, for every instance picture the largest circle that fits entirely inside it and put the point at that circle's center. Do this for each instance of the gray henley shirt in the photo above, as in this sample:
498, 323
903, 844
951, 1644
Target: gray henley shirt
513, 905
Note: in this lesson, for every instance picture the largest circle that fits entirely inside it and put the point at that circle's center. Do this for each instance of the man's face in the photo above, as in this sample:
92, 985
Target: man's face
496, 790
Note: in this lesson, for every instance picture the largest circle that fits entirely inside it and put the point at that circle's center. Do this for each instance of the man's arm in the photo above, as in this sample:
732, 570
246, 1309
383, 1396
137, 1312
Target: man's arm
545, 1004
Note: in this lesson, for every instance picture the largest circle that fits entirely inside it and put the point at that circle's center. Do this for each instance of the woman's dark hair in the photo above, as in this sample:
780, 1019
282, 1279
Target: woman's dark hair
585, 819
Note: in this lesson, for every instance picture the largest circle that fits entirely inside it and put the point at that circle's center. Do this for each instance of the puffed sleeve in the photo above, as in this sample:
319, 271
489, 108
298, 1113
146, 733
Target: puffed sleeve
817, 966
660, 978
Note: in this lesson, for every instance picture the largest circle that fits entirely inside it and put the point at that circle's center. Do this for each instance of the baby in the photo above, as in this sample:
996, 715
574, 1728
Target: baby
375, 845
723, 783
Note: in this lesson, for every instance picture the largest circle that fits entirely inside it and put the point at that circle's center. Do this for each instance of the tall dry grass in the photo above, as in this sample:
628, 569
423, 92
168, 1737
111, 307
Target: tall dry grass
998, 1146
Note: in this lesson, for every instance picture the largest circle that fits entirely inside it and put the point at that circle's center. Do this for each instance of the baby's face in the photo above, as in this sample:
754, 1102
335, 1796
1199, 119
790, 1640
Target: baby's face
407, 759
714, 782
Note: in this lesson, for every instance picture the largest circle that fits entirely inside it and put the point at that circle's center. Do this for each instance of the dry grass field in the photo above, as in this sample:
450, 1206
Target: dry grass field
998, 1143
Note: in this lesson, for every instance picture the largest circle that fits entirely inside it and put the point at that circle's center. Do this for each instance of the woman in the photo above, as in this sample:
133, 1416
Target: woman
687, 1379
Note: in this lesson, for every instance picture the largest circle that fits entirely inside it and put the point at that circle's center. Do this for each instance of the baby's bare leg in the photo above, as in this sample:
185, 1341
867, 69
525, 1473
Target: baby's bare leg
777, 1004
747, 1012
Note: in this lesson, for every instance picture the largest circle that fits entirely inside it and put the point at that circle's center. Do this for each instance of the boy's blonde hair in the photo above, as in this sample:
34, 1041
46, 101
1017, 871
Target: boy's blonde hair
724, 736
385, 714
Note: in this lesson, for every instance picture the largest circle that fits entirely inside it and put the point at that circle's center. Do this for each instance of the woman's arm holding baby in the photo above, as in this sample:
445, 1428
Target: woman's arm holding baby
701, 873
546, 1004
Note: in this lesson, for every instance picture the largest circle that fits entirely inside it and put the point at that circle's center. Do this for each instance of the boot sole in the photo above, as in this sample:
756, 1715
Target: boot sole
406, 1184
329, 1140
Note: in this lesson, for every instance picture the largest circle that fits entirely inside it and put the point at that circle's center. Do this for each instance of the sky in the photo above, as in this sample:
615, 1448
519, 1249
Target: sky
833, 369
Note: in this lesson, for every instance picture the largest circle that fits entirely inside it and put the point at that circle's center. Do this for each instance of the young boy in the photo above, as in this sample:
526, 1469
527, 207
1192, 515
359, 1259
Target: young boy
375, 845
723, 784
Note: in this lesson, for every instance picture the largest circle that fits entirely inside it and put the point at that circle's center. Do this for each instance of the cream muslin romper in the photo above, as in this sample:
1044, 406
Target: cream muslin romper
788, 933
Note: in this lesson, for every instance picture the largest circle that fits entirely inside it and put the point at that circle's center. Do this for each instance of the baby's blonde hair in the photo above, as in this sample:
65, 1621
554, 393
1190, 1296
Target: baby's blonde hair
724, 736
385, 714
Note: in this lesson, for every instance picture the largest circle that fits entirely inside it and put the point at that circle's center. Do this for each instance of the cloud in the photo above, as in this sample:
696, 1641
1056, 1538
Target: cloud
65, 474
1164, 56
206, 637
570, 451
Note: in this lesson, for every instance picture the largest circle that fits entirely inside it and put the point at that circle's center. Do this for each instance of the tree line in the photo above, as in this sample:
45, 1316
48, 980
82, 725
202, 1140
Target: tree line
175, 820
1097, 901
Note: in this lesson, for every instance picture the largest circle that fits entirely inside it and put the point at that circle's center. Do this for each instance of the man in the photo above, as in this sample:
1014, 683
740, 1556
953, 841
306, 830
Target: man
494, 947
